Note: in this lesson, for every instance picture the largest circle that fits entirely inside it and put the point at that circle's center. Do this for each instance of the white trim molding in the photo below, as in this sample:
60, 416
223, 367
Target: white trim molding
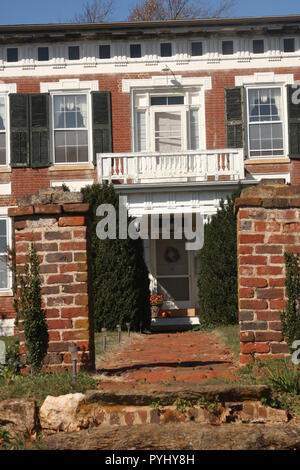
69, 84
8, 88
5, 190
264, 77
168, 80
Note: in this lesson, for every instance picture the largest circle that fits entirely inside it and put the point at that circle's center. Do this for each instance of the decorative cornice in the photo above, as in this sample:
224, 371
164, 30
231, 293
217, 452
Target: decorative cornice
159, 81
264, 77
69, 84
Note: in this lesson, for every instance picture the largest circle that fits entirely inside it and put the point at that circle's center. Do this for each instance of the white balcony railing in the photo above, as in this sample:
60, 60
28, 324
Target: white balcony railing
189, 166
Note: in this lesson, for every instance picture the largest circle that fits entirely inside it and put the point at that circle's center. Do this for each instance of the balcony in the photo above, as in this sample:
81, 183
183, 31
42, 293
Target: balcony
189, 166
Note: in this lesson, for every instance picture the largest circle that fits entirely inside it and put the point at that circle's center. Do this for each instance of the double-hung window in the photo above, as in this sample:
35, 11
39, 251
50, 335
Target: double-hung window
265, 111
70, 128
3, 130
4, 269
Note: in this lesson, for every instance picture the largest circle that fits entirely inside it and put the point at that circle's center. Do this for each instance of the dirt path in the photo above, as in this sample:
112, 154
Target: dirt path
167, 358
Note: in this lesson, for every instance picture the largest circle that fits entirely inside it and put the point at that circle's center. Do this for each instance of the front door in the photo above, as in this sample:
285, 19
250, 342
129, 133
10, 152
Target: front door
174, 273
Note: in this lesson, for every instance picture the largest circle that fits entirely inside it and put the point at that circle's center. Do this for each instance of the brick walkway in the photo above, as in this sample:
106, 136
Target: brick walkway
165, 358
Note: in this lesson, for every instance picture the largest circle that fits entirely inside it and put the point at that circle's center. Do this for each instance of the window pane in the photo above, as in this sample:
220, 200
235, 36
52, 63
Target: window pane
43, 54
258, 46
289, 45
197, 48
12, 54
70, 111
3, 236
158, 100
2, 113
168, 132
266, 139
3, 272
265, 104
135, 51
175, 100
81, 109
74, 53
227, 47
104, 51
71, 146
194, 129
83, 155
3, 149
141, 131
166, 49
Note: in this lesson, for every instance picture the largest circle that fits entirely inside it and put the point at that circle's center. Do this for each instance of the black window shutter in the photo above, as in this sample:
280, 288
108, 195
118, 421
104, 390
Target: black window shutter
19, 130
234, 106
39, 130
102, 129
294, 122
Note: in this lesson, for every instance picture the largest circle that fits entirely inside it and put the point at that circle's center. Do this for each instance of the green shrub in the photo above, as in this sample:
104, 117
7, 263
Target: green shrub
28, 305
120, 276
13, 363
290, 318
217, 281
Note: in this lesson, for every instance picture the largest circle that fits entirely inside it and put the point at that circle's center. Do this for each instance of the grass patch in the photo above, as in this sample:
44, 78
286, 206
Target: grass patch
9, 340
231, 337
40, 386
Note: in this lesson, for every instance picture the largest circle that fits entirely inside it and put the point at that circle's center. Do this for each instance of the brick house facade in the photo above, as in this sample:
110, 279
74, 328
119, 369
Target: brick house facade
176, 114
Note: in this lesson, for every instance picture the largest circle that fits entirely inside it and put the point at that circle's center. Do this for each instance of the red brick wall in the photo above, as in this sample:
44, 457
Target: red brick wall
28, 181
60, 233
268, 226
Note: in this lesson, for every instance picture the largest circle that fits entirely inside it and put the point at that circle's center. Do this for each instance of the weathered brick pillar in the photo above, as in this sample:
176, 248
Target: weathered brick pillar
268, 226
58, 222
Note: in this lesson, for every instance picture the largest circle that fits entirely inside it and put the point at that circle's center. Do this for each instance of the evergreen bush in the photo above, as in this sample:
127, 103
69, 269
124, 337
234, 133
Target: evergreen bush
290, 318
217, 281
120, 276
28, 306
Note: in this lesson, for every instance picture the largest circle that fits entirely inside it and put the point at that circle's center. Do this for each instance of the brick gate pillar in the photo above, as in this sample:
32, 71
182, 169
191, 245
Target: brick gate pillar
59, 224
268, 226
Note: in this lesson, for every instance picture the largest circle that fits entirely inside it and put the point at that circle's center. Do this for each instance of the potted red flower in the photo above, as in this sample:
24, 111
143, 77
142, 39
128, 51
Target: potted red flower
156, 302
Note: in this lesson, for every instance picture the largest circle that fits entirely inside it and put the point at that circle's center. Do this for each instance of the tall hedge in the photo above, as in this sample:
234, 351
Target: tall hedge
120, 275
217, 281
290, 317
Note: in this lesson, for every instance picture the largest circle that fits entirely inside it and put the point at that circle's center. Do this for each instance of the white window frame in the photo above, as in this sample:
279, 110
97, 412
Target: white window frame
6, 131
5, 90
86, 93
184, 109
283, 89
3, 216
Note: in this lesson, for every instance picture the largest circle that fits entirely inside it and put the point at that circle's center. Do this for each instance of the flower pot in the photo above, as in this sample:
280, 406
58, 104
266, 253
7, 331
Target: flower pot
155, 311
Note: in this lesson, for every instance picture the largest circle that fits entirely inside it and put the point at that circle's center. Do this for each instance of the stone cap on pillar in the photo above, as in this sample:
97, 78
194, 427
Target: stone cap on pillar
49, 201
269, 196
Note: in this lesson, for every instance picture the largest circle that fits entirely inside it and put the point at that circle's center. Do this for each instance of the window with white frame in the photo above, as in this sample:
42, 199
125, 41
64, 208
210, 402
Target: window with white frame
167, 123
70, 128
3, 135
265, 111
4, 270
